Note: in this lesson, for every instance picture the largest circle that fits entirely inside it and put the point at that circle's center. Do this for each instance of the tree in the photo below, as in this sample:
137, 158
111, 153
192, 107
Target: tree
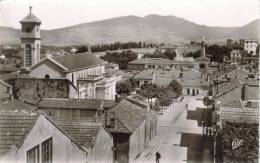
126, 87
176, 87
121, 59
170, 54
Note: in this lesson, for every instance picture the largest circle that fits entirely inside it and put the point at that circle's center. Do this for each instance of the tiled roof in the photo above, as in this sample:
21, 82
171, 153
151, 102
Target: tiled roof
163, 81
234, 104
83, 132
30, 18
227, 86
190, 74
193, 83
184, 63
14, 127
78, 61
153, 61
129, 114
15, 105
148, 74
74, 103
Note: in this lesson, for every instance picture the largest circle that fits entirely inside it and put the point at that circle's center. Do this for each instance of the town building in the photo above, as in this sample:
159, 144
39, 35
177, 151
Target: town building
30, 40
159, 77
34, 137
149, 63
250, 46
132, 125
239, 111
75, 108
193, 83
235, 56
84, 70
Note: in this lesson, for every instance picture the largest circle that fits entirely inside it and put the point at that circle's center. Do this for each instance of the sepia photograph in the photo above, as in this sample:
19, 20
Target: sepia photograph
129, 81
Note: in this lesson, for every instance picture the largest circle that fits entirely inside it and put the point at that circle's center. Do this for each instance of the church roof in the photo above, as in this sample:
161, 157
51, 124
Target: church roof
78, 61
30, 18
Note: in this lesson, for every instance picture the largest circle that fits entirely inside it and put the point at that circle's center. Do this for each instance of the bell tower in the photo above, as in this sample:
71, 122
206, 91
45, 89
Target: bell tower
30, 39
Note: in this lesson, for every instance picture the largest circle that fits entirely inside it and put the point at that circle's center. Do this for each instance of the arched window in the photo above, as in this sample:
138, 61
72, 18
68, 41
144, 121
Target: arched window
47, 76
28, 55
202, 66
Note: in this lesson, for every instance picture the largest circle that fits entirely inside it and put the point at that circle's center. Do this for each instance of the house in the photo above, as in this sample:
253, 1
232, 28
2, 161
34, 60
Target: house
5, 91
247, 82
34, 137
128, 124
193, 83
33, 89
75, 108
224, 92
250, 46
160, 77
84, 70
183, 64
149, 63
235, 56
239, 111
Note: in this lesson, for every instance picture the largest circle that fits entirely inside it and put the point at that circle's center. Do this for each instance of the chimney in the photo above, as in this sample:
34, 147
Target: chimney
153, 76
101, 108
117, 98
244, 92
181, 74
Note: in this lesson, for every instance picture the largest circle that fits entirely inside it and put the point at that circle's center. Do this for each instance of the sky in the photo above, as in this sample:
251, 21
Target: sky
63, 13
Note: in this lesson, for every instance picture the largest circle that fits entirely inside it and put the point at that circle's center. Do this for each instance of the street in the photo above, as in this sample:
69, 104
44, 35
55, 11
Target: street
178, 139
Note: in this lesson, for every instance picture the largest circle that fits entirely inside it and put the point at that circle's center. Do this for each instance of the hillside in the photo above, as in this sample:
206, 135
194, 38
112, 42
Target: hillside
154, 28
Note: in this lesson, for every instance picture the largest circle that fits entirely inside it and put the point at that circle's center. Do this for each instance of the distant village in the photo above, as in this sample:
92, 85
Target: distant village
124, 102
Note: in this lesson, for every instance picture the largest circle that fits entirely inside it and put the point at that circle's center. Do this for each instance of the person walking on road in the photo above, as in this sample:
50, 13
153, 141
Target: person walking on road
158, 156
186, 106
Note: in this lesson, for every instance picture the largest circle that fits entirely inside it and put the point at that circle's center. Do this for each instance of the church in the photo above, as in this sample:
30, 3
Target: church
85, 71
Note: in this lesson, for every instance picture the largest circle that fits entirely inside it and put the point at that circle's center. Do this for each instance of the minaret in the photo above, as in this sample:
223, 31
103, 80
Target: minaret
203, 53
30, 39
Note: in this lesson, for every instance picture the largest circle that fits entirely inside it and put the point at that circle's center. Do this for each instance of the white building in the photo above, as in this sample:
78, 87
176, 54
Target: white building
235, 56
250, 46
39, 139
84, 70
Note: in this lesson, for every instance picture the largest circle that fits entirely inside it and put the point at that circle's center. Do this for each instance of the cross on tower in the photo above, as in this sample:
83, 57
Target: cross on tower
30, 9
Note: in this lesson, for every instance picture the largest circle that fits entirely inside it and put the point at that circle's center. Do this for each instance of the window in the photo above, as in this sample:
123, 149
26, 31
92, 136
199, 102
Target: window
188, 91
28, 54
33, 155
72, 78
47, 151
47, 76
28, 30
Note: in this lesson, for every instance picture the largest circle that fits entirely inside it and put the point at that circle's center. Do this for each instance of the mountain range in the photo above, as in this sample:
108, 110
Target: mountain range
154, 28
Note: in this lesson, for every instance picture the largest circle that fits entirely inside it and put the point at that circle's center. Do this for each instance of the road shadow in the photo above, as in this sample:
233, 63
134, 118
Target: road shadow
194, 145
201, 115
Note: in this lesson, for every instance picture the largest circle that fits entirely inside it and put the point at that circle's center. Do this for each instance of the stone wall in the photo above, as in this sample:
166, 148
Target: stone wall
32, 89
